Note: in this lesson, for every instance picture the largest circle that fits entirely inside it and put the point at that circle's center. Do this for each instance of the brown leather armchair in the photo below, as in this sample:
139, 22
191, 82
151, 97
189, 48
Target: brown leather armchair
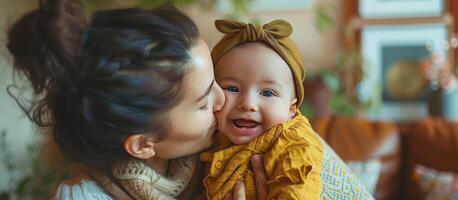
431, 142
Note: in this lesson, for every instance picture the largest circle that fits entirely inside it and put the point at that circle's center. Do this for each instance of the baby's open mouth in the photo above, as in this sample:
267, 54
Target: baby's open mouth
244, 123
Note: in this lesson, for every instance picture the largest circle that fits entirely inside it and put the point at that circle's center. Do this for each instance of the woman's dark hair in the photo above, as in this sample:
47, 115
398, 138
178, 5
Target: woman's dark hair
103, 81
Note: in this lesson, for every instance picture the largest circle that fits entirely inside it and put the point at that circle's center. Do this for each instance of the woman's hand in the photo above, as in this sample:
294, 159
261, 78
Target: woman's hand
239, 192
260, 179
259, 176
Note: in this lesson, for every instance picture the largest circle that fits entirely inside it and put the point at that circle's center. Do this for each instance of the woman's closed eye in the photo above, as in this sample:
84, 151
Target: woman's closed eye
204, 107
231, 89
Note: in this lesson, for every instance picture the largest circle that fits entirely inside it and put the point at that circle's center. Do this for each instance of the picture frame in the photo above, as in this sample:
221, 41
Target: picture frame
379, 9
384, 46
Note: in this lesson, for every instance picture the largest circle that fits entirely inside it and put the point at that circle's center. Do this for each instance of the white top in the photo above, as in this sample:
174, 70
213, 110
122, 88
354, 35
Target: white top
82, 189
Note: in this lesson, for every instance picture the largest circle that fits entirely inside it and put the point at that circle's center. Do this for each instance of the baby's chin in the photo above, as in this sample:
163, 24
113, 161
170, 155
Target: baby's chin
240, 140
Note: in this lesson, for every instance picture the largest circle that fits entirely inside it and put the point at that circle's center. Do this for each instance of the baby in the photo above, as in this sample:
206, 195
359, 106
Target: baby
261, 72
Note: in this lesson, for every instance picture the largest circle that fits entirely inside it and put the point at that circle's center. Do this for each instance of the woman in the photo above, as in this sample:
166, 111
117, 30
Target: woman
131, 96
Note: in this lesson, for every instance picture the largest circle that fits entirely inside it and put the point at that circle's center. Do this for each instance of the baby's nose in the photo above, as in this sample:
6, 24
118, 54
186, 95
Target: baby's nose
248, 104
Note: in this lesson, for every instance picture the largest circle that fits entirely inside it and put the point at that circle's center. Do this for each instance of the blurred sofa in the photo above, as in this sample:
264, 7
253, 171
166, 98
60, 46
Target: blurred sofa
411, 159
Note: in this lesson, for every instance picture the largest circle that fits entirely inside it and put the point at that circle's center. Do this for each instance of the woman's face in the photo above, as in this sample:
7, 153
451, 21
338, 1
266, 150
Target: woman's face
192, 122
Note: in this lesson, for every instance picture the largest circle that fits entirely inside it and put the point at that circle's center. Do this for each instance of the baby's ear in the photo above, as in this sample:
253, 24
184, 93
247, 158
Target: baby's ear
293, 108
140, 146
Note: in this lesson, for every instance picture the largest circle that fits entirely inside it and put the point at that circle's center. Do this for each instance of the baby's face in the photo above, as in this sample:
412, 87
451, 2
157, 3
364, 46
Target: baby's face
259, 90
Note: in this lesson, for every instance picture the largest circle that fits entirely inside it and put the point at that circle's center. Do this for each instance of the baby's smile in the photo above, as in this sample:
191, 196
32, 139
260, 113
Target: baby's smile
245, 127
245, 123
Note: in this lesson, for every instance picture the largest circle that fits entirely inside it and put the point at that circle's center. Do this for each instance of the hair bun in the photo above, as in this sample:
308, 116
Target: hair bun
64, 23
46, 42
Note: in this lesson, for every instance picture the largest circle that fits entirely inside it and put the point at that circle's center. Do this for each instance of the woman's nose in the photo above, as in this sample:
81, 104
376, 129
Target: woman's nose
248, 104
219, 98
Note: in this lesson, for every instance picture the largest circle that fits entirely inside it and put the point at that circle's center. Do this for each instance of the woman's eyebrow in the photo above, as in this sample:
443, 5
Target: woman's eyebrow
206, 92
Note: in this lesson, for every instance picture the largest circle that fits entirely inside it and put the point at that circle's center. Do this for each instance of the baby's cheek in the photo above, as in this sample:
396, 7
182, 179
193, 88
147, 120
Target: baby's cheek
219, 117
277, 118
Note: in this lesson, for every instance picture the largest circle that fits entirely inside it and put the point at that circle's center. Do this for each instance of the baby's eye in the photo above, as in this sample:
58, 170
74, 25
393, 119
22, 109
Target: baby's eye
231, 89
267, 93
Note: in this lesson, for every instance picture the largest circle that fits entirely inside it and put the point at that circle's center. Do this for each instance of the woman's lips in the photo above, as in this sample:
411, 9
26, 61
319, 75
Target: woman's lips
244, 127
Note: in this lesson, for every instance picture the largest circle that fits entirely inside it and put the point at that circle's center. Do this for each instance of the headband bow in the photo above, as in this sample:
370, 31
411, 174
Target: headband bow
275, 34
276, 29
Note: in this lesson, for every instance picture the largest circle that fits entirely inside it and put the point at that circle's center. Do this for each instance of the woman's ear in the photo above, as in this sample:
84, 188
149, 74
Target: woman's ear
140, 146
293, 108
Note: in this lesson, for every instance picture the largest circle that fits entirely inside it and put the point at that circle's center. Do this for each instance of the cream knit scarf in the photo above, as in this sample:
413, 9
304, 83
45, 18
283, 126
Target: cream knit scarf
143, 183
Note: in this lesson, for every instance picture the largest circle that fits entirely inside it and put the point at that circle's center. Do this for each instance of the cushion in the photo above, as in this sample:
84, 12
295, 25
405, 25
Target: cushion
437, 185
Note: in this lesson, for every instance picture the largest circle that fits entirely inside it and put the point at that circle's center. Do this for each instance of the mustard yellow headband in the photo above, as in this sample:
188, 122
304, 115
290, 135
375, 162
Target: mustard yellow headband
275, 34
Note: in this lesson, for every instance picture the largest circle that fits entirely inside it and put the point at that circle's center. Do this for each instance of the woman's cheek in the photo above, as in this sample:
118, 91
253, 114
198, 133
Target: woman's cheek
206, 120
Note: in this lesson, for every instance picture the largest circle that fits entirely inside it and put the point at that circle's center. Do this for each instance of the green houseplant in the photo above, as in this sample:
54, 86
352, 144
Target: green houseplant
333, 89
36, 182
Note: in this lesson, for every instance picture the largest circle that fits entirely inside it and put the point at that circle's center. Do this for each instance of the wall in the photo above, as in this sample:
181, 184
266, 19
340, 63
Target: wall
318, 49
12, 120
